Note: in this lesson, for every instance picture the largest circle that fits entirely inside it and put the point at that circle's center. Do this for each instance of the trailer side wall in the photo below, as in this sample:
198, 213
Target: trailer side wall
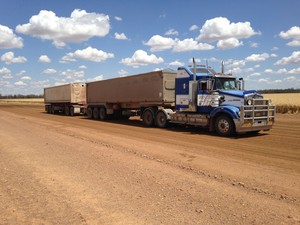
154, 87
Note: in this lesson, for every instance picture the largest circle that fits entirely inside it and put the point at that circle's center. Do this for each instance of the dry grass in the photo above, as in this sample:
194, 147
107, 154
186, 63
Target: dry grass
23, 100
285, 102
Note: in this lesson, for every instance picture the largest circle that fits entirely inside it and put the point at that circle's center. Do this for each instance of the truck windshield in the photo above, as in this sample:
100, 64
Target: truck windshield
226, 84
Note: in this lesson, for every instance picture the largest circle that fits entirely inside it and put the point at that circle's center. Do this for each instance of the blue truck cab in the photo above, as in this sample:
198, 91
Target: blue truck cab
218, 101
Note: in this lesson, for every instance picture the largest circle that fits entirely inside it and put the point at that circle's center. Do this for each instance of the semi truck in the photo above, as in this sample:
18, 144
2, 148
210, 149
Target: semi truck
194, 95
70, 99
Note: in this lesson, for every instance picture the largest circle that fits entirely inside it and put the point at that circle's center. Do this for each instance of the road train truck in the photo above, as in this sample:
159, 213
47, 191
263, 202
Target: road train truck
69, 99
195, 95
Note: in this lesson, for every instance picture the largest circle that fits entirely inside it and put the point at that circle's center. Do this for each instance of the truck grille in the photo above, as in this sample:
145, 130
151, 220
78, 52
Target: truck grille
260, 113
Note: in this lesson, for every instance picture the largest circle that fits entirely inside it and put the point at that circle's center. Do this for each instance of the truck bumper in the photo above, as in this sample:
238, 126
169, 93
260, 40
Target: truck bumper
248, 127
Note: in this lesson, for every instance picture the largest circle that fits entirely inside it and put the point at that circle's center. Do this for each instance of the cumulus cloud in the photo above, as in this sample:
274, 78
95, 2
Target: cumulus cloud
225, 32
117, 18
25, 78
229, 43
8, 39
257, 57
89, 54
193, 27
73, 74
49, 71
9, 58
294, 34
172, 32
159, 43
79, 27
100, 77
176, 63
5, 73
190, 44
121, 36
141, 58
20, 83
122, 73
292, 59
44, 59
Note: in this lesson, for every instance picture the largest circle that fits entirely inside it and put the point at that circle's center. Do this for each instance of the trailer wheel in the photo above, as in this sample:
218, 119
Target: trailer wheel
224, 126
148, 118
96, 113
67, 111
52, 109
72, 111
161, 119
102, 113
89, 112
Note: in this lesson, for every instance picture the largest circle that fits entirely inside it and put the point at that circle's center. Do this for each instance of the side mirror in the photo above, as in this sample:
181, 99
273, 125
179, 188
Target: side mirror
209, 85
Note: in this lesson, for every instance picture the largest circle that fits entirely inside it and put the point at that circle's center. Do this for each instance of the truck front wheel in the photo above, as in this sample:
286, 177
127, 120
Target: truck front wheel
224, 126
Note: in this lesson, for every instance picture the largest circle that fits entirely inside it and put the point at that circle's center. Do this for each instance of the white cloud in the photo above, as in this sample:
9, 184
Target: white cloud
283, 71
117, 18
89, 54
221, 28
229, 43
292, 59
193, 27
25, 78
253, 44
176, 63
44, 59
49, 71
20, 83
141, 58
190, 44
79, 27
8, 39
82, 67
73, 74
100, 77
121, 36
294, 34
122, 73
172, 32
4, 70
159, 43
9, 58
257, 57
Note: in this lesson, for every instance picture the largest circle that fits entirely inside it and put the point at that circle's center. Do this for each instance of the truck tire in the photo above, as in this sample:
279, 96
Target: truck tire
148, 118
161, 119
96, 113
89, 112
102, 113
53, 109
72, 111
224, 126
67, 111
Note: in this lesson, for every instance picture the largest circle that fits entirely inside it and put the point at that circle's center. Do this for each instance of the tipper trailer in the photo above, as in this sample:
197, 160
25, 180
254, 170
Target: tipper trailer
192, 96
69, 99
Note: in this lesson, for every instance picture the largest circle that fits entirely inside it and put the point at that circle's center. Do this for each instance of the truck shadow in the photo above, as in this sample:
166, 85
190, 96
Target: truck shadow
178, 128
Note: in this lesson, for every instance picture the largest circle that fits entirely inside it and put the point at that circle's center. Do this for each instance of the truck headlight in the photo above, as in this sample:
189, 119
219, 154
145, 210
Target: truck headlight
249, 102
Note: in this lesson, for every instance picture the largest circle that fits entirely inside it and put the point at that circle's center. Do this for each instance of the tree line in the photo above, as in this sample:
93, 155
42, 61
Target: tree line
20, 96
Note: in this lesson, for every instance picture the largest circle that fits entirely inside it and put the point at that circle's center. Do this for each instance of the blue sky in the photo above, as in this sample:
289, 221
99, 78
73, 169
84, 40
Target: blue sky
46, 43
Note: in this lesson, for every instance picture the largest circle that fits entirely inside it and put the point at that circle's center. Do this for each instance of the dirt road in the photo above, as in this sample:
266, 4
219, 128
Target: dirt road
70, 170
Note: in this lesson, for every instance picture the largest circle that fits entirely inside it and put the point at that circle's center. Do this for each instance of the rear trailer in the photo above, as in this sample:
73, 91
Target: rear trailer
68, 99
